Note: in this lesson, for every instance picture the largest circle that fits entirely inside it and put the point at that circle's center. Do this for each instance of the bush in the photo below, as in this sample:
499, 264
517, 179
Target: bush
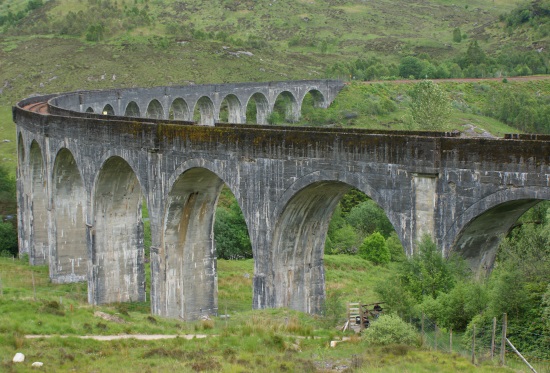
391, 329
374, 249
8, 239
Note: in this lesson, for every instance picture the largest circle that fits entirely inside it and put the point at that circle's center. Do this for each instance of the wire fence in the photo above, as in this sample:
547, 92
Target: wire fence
489, 341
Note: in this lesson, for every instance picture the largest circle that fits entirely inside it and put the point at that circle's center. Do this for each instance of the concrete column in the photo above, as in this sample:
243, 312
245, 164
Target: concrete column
425, 197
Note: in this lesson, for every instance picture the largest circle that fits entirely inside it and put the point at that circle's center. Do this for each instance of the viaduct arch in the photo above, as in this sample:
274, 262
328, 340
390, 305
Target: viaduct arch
84, 172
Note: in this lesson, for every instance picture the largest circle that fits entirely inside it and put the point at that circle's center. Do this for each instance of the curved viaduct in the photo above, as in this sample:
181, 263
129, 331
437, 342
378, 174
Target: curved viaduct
89, 160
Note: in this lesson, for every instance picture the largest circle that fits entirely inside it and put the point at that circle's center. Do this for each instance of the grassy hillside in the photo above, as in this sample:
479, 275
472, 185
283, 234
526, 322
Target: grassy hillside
268, 340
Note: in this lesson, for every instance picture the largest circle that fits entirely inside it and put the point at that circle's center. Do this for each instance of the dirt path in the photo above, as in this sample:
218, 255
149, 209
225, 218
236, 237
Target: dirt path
143, 337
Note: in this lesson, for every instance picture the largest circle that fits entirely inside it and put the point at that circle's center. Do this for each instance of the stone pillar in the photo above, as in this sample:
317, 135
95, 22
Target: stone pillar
425, 197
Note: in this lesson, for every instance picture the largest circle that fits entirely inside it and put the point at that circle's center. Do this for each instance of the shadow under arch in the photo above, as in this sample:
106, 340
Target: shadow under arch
317, 97
257, 109
132, 110
69, 251
117, 262
203, 113
154, 110
179, 110
38, 202
108, 110
286, 105
479, 239
230, 110
298, 244
189, 251
20, 151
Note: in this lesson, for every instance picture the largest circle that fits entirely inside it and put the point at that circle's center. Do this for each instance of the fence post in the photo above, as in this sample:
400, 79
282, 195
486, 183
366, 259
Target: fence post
474, 345
33, 285
521, 356
451, 341
503, 342
422, 329
493, 338
435, 337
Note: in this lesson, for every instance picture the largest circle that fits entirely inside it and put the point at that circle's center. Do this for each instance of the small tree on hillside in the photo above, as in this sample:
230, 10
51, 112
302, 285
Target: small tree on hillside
374, 249
457, 35
430, 106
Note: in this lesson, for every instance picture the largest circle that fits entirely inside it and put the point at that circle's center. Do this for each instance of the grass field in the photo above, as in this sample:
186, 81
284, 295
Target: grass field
270, 340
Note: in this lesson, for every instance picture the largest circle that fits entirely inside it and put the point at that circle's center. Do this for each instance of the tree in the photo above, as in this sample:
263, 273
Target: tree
475, 55
231, 233
427, 273
411, 66
396, 249
352, 199
430, 106
374, 249
367, 217
457, 35
8, 204
8, 239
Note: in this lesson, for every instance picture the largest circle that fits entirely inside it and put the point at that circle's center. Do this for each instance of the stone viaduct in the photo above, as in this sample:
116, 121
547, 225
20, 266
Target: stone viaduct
87, 161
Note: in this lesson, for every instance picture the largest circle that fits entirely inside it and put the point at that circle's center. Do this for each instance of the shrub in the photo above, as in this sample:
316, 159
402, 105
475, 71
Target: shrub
374, 249
391, 329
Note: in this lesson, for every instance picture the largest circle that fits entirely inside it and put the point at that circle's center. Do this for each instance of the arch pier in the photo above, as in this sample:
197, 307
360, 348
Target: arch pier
88, 162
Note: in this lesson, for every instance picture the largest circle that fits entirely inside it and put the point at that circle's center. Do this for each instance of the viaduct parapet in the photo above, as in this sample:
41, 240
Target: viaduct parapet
87, 161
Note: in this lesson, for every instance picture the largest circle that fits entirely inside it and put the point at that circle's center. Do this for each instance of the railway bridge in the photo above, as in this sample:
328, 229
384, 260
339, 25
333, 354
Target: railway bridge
88, 161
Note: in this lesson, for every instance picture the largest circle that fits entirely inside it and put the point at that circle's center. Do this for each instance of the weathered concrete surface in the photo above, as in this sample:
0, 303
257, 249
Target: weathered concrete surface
465, 193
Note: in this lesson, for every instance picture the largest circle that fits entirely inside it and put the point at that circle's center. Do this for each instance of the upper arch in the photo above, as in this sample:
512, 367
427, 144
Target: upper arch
132, 110
319, 100
131, 162
234, 108
179, 110
108, 110
206, 110
155, 110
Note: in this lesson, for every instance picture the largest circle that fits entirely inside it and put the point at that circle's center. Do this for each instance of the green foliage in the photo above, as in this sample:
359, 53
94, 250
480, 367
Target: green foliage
367, 217
427, 273
333, 308
396, 297
8, 239
95, 32
352, 199
231, 233
11, 18
411, 66
390, 329
457, 35
342, 241
458, 307
533, 13
397, 252
474, 54
7, 192
527, 112
374, 249
430, 106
